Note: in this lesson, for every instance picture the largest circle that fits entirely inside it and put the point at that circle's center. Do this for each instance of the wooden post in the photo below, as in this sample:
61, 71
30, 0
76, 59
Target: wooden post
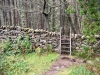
70, 42
60, 40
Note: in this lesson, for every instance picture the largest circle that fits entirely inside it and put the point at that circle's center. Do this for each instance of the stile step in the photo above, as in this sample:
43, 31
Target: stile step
65, 39
65, 43
66, 47
65, 36
65, 51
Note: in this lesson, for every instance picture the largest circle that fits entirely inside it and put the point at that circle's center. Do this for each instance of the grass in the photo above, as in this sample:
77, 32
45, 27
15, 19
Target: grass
35, 64
76, 70
40, 64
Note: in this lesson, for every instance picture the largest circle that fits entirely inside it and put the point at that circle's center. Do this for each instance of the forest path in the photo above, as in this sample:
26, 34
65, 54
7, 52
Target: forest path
63, 62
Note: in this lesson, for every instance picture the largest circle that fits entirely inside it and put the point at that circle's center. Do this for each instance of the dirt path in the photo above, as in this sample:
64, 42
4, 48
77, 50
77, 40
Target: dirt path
61, 63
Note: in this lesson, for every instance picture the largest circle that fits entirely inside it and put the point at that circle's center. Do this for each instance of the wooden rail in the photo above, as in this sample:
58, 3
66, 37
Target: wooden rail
60, 39
70, 42
65, 43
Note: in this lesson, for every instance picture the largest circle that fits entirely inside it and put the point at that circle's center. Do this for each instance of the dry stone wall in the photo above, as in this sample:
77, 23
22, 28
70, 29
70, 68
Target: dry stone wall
41, 38
79, 41
38, 37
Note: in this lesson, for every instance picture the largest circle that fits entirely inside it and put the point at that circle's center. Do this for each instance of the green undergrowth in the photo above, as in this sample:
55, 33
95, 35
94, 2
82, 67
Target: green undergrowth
23, 45
94, 65
76, 70
86, 53
18, 57
31, 65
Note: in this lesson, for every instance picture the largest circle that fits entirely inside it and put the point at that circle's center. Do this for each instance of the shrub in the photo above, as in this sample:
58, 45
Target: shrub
12, 66
26, 45
86, 53
18, 46
7, 47
49, 48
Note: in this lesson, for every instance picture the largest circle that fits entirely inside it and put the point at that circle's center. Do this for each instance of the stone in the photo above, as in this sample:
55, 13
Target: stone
42, 41
12, 27
82, 37
97, 36
87, 37
49, 42
36, 31
44, 47
37, 36
18, 28
3, 37
12, 37
83, 45
38, 44
56, 49
72, 35
75, 35
77, 48
43, 35
1, 30
54, 45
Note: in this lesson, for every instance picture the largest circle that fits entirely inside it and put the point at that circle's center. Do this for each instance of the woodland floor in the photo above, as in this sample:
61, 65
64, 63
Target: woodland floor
63, 62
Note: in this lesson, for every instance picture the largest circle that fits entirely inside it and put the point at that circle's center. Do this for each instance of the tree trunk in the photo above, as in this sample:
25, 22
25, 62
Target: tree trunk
53, 16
